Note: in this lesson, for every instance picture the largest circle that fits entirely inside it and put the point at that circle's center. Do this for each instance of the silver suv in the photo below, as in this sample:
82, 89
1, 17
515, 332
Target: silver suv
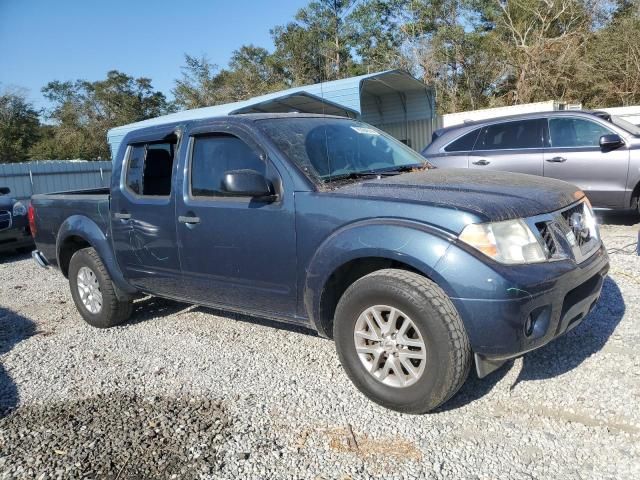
600, 156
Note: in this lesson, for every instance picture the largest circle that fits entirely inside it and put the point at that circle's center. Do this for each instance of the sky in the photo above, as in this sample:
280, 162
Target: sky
41, 40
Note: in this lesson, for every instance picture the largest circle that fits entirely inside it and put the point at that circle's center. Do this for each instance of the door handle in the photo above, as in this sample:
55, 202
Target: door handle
482, 162
556, 160
122, 216
188, 220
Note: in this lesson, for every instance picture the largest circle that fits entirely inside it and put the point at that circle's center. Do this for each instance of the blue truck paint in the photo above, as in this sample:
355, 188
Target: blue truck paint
276, 259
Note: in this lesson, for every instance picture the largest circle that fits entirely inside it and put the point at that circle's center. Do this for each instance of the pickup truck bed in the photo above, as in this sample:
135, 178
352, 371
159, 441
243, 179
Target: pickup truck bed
52, 210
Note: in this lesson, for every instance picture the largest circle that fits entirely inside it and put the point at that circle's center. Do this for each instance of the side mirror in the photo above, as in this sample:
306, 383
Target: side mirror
5, 190
246, 183
610, 142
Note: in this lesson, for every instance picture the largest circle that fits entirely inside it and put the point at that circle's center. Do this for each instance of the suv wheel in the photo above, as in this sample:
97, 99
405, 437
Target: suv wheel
401, 341
93, 291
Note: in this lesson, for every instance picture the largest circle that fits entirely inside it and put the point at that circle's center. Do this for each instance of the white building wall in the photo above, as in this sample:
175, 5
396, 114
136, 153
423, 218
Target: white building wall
451, 119
630, 114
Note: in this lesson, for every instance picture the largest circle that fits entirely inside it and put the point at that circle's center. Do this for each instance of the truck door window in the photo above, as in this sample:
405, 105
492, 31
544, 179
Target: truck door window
575, 132
213, 156
149, 169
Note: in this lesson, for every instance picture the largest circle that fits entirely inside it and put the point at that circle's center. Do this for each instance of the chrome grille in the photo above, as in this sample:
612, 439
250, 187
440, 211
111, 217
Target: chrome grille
568, 233
547, 237
5, 219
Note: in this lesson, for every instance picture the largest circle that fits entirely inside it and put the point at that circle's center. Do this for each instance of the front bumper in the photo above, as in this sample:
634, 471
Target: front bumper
501, 329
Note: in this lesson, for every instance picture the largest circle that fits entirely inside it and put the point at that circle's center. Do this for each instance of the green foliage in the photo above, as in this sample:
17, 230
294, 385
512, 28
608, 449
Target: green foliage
474, 53
83, 111
19, 125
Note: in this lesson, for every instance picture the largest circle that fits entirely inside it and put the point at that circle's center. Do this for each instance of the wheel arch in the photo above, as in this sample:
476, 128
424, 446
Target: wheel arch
78, 232
350, 255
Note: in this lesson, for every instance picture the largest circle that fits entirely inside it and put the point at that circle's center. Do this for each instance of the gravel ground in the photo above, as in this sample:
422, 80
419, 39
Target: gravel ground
188, 392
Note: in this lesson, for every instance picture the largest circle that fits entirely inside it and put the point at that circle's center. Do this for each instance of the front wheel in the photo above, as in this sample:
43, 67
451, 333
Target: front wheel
93, 291
401, 341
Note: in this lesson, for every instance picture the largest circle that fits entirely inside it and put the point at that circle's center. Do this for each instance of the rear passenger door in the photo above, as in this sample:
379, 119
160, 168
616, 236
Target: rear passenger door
515, 146
143, 225
574, 155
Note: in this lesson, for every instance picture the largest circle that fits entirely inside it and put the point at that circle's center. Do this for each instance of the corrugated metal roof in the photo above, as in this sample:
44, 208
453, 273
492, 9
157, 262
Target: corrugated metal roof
344, 92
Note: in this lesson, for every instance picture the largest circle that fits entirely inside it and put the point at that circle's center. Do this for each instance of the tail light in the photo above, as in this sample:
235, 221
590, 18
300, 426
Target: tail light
31, 214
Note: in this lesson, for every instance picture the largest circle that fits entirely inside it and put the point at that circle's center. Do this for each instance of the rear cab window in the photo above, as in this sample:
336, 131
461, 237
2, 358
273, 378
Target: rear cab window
149, 167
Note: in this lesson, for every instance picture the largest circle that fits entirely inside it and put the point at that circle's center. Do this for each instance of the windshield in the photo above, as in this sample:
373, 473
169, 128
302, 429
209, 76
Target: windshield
628, 126
329, 149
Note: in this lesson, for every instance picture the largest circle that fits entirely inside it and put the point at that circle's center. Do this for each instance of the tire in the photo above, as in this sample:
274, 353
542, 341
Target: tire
432, 321
111, 311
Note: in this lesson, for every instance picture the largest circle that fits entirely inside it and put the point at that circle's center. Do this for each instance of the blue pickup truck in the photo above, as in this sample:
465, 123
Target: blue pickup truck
416, 273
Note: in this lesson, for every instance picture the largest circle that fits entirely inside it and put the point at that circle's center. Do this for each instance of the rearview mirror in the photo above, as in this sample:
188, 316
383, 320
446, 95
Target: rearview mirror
246, 183
5, 190
610, 142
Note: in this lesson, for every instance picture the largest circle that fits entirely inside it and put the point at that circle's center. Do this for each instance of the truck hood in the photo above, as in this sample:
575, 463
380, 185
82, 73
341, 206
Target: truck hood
493, 196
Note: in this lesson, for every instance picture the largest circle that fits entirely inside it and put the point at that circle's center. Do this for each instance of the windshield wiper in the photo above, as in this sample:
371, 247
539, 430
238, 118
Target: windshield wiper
356, 175
407, 168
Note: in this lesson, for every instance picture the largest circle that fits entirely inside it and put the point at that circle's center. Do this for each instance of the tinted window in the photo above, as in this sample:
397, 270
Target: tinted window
216, 155
575, 132
463, 144
511, 135
149, 169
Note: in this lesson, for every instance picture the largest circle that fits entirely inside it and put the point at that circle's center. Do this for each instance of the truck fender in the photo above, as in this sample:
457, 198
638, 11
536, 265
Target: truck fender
86, 229
414, 244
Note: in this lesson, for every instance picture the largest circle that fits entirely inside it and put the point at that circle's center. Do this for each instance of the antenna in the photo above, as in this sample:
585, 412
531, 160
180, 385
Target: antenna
326, 137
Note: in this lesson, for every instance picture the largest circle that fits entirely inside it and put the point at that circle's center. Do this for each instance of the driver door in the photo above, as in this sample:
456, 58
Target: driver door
235, 251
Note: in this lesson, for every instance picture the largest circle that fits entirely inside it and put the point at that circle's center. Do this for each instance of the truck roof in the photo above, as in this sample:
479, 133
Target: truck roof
117, 139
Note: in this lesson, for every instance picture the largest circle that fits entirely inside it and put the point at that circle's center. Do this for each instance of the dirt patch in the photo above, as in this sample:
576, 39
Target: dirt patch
345, 440
114, 436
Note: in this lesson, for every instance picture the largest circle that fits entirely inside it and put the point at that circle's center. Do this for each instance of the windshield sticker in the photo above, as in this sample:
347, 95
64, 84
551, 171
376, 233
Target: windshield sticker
365, 130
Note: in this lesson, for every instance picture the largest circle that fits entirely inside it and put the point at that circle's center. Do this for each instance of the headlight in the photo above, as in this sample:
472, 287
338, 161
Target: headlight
19, 209
510, 242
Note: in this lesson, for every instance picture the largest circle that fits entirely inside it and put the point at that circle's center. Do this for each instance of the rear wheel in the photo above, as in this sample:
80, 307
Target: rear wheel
401, 341
93, 291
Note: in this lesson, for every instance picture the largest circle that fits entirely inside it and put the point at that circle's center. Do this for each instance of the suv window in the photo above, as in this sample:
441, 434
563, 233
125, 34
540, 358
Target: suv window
213, 156
575, 132
465, 143
511, 135
149, 169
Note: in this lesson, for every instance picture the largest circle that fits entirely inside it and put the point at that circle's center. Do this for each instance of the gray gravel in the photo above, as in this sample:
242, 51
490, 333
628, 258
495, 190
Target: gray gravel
195, 393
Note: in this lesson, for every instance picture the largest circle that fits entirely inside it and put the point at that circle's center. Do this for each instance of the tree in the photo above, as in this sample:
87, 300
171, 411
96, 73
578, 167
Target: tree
83, 111
610, 72
252, 71
543, 41
377, 33
318, 45
19, 124
199, 85
454, 49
